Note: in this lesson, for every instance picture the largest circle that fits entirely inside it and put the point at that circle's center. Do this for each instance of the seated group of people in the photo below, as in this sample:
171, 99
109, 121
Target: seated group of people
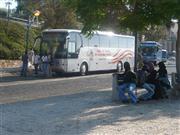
155, 83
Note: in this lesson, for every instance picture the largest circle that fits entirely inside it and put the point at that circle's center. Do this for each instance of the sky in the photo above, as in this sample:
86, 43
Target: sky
3, 4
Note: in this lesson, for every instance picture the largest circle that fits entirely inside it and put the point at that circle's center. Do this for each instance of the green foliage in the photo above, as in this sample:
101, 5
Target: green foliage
3, 13
136, 15
12, 39
54, 13
155, 33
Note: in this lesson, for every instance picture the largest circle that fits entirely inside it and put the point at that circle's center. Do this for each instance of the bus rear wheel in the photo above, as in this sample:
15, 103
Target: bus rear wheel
83, 69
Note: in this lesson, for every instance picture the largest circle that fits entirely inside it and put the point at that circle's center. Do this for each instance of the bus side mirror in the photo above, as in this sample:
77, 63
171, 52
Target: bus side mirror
68, 37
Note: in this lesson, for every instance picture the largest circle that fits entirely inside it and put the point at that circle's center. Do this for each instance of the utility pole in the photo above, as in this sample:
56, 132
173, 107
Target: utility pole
25, 57
135, 51
8, 4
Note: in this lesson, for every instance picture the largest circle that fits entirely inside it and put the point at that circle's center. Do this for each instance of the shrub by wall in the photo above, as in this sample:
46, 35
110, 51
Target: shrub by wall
12, 39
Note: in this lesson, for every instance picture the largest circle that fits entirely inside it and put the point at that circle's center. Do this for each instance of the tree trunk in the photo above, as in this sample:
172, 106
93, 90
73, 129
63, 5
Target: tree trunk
178, 52
135, 51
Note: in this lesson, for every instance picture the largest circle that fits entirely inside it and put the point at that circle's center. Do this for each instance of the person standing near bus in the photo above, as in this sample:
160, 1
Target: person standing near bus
45, 64
36, 63
24, 65
129, 84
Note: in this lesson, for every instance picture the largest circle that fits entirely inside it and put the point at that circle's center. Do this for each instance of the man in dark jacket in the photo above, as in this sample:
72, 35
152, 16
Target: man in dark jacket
128, 85
149, 82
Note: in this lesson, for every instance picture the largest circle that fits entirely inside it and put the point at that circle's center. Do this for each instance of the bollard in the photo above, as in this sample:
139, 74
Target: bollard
115, 93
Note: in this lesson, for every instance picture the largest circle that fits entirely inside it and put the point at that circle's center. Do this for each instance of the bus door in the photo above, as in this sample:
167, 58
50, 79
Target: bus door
37, 45
74, 44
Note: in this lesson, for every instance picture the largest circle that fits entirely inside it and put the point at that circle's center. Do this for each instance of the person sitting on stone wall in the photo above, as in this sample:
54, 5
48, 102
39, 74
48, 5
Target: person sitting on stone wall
128, 85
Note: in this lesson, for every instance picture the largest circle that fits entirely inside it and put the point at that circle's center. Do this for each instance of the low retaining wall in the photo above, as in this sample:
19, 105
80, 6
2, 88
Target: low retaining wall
10, 63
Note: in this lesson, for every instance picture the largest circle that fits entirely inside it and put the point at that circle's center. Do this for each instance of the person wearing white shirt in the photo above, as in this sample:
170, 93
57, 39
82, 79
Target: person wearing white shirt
36, 63
45, 64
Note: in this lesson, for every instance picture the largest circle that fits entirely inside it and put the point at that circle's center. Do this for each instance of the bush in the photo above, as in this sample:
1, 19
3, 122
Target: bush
12, 39
3, 13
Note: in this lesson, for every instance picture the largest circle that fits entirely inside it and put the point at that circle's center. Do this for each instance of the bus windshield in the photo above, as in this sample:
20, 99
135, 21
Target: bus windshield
55, 44
147, 51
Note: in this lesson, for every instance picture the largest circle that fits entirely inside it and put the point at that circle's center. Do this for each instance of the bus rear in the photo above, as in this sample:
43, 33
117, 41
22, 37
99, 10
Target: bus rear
151, 51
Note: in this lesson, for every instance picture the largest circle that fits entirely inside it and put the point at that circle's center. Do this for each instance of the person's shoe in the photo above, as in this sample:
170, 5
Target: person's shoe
141, 99
137, 102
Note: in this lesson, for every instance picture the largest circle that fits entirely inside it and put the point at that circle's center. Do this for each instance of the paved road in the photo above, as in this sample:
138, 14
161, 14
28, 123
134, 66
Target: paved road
40, 88
34, 89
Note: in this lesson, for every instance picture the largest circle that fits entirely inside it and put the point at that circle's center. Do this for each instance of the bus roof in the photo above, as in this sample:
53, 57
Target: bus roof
79, 31
150, 43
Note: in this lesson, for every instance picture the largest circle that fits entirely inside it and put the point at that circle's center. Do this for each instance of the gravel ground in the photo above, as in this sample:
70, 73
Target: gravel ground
89, 113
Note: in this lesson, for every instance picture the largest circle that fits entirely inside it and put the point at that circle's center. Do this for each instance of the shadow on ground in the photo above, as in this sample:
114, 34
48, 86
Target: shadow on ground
15, 76
80, 113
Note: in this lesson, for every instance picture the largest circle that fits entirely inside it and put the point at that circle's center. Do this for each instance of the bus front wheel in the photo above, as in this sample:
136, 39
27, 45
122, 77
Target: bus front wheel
83, 69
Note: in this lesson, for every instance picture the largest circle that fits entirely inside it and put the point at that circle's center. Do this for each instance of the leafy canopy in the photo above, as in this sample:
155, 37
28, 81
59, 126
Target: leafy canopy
133, 14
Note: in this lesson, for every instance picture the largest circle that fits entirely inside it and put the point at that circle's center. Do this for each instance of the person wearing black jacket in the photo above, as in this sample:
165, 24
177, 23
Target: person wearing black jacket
149, 82
129, 84
163, 80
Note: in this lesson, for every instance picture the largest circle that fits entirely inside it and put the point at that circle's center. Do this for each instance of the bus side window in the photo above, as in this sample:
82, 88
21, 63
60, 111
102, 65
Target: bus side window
76, 39
113, 42
104, 41
94, 41
122, 42
78, 42
85, 41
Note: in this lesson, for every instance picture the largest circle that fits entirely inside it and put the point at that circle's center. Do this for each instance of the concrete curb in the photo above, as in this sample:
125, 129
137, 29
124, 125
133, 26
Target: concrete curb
10, 70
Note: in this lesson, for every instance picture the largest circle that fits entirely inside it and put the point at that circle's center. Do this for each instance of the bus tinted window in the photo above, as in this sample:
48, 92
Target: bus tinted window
104, 41
113, 42
54, 43
122, 42
94, 41
78, 41
72, 37
130, 42
85, 40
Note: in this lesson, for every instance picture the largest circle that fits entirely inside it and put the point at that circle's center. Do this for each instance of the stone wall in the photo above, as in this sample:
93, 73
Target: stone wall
10, 63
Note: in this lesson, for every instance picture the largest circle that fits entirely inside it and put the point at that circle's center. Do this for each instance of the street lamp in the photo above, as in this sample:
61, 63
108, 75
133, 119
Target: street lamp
8, 4
36, 13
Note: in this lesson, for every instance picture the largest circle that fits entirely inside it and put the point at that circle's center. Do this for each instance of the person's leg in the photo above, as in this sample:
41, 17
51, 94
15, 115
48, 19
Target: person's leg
44, 68
131, 92
150, 91
36, 68
122, 89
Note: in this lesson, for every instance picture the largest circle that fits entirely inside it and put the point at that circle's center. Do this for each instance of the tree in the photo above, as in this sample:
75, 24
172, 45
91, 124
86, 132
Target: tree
53, 13
133, 14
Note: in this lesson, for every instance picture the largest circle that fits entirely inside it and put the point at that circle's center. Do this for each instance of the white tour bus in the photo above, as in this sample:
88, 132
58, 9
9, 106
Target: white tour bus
71, 51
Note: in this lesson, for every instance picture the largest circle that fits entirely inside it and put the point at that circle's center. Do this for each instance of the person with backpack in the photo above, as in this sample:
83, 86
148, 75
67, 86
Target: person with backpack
129, 84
